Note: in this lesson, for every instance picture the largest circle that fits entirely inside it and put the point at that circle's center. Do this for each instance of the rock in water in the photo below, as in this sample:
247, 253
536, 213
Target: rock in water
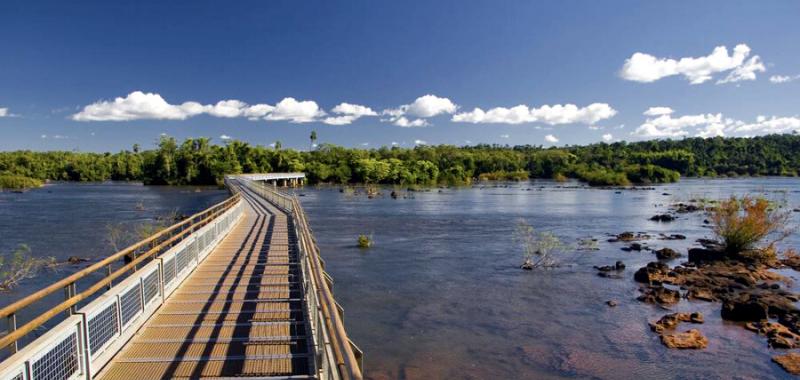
659, 295
662, 218
691, 339
667, 254
790, 362
699, 255
744, 310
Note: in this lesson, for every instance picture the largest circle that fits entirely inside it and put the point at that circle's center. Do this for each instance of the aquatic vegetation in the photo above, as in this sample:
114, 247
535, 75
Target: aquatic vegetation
540, 248
21, 265
747, 223
18, 182
364, 241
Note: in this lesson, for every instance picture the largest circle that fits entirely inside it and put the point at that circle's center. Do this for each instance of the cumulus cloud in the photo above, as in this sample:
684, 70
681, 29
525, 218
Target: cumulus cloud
607, 137
783, 78
425, 106
420, 142
224, 137
505, 136
4, 112
402, 121
136, 106
658, 111
304, 111
645, 68
139, 105
551, 139
712, 125
553, 115
348, 113
668, 126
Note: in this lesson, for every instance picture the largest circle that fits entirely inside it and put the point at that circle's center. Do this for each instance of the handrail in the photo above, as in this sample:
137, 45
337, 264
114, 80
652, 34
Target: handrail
345, 359
72, 298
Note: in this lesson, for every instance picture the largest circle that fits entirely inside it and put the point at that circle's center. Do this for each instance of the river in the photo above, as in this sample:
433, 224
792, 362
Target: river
440, 294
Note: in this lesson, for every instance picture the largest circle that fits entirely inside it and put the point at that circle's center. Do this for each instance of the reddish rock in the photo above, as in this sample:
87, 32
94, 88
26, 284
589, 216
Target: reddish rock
789, 362
691, 339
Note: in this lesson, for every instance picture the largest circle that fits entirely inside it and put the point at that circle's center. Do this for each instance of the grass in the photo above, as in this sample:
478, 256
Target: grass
18, 182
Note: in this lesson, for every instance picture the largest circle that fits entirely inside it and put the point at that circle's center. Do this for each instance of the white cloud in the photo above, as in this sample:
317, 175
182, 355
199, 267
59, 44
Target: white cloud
712, 125
658, 111
668, 126
420, 142
224, 137
136, 106
348, 113
595, 127
304, 111
783, 78
139, 105
3, 112
402, 121
423, 107
607, 137
551, 139
56, 137
237, 108
642, 67
747, 71
505, 136
553, 115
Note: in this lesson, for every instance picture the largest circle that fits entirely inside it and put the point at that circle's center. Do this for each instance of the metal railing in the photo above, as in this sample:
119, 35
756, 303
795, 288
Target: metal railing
83, 343
336, 355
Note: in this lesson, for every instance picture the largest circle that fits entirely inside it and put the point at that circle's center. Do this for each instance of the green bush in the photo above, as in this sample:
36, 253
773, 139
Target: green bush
18, 182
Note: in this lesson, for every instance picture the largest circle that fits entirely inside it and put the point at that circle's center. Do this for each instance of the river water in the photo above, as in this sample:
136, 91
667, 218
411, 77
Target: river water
440, 294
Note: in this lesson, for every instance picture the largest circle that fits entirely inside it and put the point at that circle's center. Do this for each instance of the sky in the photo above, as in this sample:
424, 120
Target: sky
102, 75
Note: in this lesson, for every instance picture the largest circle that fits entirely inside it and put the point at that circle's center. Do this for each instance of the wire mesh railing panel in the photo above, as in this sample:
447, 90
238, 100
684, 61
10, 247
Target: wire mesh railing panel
151, 287
102, 327
130, 304
182, 260
60, 362
169, 270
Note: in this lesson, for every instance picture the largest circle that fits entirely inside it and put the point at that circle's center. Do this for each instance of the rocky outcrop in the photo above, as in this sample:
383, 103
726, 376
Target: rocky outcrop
789, 362
659, 295
662, 218
691, 339
778, 335
654, 273
629, 236
667, 254
744, 310
671, 321
704, 255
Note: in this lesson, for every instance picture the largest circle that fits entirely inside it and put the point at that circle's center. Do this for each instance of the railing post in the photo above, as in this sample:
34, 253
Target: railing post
12, 326
69, 292
108, 274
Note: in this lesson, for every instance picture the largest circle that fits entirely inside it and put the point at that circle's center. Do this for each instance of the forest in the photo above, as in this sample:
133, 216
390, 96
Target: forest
199, 162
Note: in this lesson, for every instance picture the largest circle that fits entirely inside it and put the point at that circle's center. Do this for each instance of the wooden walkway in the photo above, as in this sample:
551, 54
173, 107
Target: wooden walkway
240, 313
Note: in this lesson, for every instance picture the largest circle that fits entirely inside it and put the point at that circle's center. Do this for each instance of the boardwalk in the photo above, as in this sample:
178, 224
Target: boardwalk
237, 290
239, 313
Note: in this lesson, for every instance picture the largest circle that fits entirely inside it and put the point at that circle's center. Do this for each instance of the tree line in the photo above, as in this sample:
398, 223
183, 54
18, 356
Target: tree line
199, 162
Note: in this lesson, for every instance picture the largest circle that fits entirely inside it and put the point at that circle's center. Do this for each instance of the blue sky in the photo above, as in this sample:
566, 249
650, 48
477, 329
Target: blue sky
285, 66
